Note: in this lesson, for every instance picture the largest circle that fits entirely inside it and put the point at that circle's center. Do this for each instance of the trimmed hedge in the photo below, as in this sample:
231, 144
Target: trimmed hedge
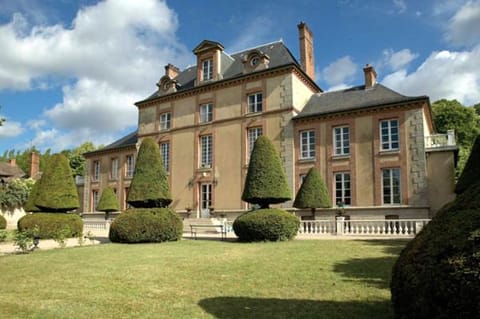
266, 225
50, 224
437, 275
3, 222
146, 225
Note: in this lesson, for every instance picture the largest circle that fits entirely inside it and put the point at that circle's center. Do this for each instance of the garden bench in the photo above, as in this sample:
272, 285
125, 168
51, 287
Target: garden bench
194, 229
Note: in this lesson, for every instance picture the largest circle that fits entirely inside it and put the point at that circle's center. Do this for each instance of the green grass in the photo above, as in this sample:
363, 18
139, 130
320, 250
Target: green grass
202, 279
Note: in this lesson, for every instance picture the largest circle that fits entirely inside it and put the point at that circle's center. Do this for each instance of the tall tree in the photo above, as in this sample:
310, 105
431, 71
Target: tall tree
265, 183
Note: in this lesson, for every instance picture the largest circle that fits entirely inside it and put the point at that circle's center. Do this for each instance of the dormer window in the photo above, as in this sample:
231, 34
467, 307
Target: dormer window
254, 61
207, 70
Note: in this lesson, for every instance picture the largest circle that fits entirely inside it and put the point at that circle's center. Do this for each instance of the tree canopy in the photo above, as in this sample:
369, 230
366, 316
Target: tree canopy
313, 193
265, 183
149, 186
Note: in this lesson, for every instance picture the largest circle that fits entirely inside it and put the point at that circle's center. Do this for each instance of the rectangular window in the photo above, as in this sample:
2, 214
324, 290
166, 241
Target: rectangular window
114, 169
96, 171
341, 140
207, 70
206, 151
391, 186
130, 166
206, 113
389, 135
95, 199
253, 134
255, 103
307, 145
165, 121
343, 194
165, 155
301, 178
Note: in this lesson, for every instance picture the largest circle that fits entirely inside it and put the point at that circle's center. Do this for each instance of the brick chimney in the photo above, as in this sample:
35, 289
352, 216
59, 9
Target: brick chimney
370, 76
307, 58
34, 164
171, 71
12, 162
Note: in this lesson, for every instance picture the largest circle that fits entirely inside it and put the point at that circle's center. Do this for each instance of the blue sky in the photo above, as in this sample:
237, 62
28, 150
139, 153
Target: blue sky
70, 71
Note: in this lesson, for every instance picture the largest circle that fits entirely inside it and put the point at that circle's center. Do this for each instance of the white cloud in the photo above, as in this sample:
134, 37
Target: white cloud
464, 26
10, 129
444, 74
399, 59
400, 5
340, 72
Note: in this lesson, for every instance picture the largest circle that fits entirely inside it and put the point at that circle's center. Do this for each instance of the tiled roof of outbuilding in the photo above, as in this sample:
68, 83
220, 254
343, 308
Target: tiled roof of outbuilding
10, 171
353, 99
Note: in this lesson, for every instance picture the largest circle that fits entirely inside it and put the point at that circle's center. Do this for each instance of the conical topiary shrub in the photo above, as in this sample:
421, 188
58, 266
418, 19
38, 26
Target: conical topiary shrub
265, 183
471, 171
30, 204
313, 193
149, 187
108, 201
56, 190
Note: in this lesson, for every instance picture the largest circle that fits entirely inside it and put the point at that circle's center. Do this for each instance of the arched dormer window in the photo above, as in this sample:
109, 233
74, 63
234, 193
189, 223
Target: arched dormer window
255, 60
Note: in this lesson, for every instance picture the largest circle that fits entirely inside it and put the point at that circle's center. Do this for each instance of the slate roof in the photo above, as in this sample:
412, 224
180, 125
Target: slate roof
8, 171
232, 65
354, 98
126, 141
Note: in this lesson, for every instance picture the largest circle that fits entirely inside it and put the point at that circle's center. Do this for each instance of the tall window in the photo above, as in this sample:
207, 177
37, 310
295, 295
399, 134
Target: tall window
307, 145
114, 169
255, 103
206, 151
130, 166
165, 121
343, 192
341, 140
165, 155
207, 69
96, 171
206, 113
253, 134
389, 135
301, 179
95, 199
391, 186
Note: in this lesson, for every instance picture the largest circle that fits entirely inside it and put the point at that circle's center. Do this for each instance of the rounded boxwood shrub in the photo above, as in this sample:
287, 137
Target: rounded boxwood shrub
437, 275
50, 224
3, 222
266, 225
144, 225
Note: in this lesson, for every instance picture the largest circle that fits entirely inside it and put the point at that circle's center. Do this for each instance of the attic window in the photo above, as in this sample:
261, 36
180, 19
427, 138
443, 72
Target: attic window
254, 61
207, 69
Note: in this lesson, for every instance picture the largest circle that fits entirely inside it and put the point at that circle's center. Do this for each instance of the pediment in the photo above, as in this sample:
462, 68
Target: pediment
207, 45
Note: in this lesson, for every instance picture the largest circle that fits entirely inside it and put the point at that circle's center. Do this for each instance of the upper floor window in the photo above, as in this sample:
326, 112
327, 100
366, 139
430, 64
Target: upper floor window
206, 151
165, 119
253, 134
255, 103
391, 186
341, 140
207, 70
307, 144
130, 166
96, 171
343, 194
114, 169
389, 135
165, 155
206, 113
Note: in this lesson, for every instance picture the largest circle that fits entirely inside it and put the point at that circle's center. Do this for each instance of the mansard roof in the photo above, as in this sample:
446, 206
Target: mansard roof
124, 142
232, 65
354, 98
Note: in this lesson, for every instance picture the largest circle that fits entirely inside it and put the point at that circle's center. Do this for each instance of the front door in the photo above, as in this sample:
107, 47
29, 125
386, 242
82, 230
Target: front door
205, 200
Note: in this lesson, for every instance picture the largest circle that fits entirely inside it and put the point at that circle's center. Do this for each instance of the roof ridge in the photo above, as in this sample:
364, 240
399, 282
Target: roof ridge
258, 46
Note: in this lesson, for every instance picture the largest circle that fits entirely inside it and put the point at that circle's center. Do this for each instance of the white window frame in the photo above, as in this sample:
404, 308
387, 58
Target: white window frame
165, 121
341, 140
389, 139
206, 113
307, 144
206, 151
114, 168
252, 135
165, 155
207, 69
391, 190
96, 171
95, 199
129, 166
255, 102
343, 188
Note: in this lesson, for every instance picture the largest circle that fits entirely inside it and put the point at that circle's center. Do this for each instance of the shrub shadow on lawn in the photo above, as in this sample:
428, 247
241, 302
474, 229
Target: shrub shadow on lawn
244, 307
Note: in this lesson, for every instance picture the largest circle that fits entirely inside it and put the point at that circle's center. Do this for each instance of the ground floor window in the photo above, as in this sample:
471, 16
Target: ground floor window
343, 194
391, 186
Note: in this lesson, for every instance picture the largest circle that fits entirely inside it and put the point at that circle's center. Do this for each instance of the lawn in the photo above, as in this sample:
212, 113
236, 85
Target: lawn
202, 279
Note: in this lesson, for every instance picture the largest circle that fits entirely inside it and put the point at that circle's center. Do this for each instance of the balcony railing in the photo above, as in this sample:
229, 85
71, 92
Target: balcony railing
440, 140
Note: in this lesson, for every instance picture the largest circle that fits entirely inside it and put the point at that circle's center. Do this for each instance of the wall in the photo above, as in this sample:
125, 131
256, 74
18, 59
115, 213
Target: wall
441, 178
